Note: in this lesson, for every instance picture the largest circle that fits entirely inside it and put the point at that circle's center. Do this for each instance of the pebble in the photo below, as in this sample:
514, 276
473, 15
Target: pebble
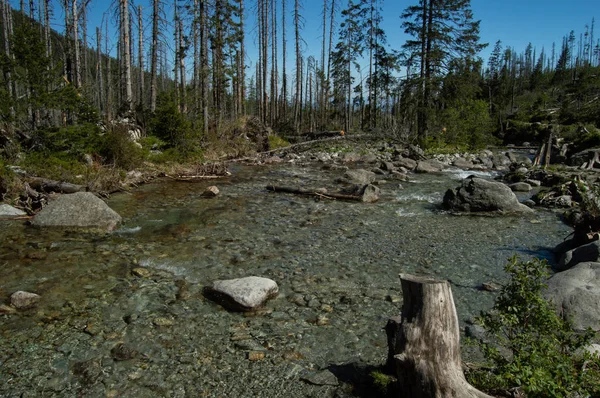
161, 321
141, 272
256, 355
7, 309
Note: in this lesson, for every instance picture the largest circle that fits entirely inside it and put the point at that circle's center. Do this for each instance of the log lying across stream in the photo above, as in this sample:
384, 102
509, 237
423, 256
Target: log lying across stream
367, 193
425, 344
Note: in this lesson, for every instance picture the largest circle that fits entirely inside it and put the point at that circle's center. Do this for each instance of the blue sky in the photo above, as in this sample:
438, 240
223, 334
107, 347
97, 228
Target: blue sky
514, 22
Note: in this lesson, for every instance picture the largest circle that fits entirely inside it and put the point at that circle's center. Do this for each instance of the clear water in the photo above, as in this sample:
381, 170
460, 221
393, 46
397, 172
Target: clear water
337, 265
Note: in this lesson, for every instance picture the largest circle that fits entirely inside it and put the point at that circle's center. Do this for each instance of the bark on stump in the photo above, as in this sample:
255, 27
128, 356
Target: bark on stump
427, 342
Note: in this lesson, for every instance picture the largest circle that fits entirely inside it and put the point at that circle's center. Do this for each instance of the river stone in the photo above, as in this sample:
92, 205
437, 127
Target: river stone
7, 211
479, 195
407, 163
322, 378
22, 300
429, 166
210, 192
81, 210
520, 187
243, 294
359, 176
585, 253
462, 163
576, 294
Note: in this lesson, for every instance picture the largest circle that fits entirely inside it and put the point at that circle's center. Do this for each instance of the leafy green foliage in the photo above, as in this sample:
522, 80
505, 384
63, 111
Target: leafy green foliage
276, 142
530, 346
119, 150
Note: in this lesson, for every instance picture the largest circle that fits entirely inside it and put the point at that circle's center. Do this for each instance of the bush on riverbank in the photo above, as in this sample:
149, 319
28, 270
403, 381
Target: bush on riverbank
529, 346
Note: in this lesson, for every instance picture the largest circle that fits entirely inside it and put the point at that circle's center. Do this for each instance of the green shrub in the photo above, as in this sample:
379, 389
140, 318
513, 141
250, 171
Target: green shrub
120, 151
168, 123
276, 142
530, 346
60, 166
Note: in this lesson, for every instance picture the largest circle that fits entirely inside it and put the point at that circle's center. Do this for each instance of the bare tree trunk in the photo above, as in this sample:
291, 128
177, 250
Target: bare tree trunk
154, 56
242, 64
126, 86
426, 344
141, 57
177, 49
298, 102
204, 65
284, 101
99, 77
322, 89
182, 67
108, 79
196, 66
84, 65
7, 33
265, 57
274, 81
77, 57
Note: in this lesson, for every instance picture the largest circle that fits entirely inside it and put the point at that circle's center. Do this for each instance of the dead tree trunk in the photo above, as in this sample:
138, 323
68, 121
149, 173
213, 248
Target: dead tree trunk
427, 342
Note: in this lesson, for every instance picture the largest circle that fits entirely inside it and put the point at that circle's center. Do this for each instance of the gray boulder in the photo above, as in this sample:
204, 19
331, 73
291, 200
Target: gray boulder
581, 254
407, 163
429, 166
368, 193
78, 210
576, 294
479, 195
520, 187
243, 294
7, 211
462, 163
359, 176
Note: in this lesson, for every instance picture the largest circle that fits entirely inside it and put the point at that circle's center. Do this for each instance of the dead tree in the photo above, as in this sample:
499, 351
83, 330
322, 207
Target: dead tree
426, 343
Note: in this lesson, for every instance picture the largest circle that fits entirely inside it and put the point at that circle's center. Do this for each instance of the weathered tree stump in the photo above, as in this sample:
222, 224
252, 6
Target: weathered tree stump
427, 342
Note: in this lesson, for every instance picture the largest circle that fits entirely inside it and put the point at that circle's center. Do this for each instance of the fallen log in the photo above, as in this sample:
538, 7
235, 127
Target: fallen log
45, 185
426, 343
367, 193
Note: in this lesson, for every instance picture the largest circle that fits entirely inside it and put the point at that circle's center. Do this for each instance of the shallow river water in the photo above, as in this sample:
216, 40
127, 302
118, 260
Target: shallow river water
105, 328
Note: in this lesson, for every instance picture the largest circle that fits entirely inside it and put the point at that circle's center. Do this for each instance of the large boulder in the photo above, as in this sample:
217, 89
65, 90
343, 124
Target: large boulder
7, 211
407, 163
429, 166
78, 210
585, 253
359, 177
480, 195
242, 294
576, 294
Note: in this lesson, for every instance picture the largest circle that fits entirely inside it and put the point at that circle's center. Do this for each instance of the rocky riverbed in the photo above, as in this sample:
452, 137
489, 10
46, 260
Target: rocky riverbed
123, 314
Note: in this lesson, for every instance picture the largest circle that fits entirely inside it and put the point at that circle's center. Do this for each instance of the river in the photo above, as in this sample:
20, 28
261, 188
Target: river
336, 263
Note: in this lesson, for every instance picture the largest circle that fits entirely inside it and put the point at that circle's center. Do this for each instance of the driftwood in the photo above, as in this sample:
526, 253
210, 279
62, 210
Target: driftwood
426, 343
45, 185
368, 193
192, 178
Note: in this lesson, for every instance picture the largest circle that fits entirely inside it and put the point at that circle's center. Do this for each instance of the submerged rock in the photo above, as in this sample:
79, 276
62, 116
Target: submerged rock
22, 300
7, 211
243, 294
576, 294
79, 210
479, 195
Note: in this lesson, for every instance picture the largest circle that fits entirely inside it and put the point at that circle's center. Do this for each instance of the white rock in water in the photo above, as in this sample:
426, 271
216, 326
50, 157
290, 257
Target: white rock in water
210, 192
244, 293
23, 299
7, 211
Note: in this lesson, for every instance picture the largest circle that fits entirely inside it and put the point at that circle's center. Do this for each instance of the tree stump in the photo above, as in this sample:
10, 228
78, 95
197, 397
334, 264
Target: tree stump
427, 342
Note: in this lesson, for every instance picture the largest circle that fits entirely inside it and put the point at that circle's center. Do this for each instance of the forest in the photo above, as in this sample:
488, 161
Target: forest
181, 72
